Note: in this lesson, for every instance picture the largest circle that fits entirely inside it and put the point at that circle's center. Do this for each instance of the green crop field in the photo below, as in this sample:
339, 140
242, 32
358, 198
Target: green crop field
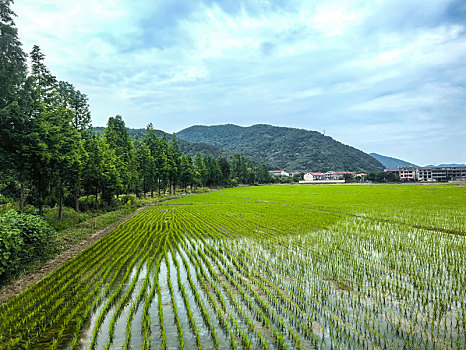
272, 267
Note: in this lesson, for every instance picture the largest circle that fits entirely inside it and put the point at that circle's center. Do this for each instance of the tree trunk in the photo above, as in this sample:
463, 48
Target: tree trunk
21, 198
60, 207
76, 200
95, 202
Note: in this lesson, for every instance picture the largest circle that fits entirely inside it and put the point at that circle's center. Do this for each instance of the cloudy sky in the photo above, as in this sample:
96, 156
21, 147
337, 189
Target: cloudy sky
385, 76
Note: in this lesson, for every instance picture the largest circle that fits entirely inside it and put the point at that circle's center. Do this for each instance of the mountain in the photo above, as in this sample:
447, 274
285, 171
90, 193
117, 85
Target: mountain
284, 148
453, 165
390, 162
186, 147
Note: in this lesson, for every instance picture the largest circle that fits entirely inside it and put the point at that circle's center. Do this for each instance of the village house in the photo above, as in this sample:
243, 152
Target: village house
279, 172
314, 176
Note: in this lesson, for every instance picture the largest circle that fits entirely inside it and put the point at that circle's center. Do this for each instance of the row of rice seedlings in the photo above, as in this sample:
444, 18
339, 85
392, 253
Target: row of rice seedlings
248, 321
263, 312
146, 320
373, 286
223, 321
45, 321
173, 301
134, 305
340, 269
232, 321
53, 288
191, 319
112, 299
205, 315
129, 291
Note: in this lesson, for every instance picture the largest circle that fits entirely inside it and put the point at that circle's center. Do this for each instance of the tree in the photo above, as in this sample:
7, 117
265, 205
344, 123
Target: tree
225, 169
262, 174
14, 125
76, 102
153, 144
43, 82
186, 171
173, 163
200, 171
117, 137
144, 163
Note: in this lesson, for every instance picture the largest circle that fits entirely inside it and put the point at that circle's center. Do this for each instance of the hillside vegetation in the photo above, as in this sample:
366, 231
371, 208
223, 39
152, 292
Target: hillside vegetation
284, 148
390, 162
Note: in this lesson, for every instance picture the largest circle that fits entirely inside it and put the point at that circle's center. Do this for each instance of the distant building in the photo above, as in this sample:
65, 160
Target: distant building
314, 176
279, 172
430, 174
335, 175
443, 174
405, 174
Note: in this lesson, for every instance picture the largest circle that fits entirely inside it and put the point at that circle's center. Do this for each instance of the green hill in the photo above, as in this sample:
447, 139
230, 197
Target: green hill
284, 148
390, 162
187, 147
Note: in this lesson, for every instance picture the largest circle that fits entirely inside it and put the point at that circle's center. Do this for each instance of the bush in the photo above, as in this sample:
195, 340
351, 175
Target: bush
128, 199
70, 218
23, 238
88, 203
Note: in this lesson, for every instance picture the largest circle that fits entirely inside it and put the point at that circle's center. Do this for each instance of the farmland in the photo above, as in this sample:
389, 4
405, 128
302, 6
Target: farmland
267, 267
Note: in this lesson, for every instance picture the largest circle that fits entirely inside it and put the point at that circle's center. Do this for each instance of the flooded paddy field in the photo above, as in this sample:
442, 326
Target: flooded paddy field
324, 267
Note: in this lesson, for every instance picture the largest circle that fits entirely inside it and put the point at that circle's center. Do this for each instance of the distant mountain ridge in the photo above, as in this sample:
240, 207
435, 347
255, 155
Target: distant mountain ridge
453, 165
390, 162
284, 148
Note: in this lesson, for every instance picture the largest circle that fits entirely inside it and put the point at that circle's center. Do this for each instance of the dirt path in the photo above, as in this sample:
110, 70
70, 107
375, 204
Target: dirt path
20, 284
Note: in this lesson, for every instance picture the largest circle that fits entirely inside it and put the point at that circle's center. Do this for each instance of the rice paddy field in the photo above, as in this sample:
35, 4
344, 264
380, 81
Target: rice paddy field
267, 267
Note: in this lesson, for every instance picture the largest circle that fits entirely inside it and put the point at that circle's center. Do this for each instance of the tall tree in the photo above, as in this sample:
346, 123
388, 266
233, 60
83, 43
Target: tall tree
144, 164
76, 102
117, 137
173, 163
12, 57
14, 125
225, 169
153, 144
200, 170
44, 83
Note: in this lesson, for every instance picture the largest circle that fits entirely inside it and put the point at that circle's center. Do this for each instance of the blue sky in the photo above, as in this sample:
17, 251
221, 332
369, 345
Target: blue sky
386, 76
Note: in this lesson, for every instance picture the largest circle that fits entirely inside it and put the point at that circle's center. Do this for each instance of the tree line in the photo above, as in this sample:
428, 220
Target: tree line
50, 155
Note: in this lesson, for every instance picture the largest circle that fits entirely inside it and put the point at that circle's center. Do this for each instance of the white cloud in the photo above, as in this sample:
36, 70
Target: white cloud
330, 65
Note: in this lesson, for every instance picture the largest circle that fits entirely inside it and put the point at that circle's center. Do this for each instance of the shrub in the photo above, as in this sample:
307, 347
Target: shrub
70, 218
23, 238
128, 199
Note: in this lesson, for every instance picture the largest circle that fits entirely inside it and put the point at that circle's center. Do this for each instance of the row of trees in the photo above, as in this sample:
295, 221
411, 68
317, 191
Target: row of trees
49, 151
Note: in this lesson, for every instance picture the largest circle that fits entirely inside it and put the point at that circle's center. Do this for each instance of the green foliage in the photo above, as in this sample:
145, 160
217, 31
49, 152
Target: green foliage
284, 148
23, 238
382, 176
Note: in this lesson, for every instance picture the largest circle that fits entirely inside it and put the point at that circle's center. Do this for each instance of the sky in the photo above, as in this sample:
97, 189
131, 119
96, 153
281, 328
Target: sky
384, 76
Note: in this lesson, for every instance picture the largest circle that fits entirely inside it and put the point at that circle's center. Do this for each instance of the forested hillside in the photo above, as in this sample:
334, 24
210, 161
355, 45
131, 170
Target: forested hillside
284, 148
390, 162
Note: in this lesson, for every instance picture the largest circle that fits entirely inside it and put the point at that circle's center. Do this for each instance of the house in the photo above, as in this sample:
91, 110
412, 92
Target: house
335, 175
279, 172
314, 176
405, 174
